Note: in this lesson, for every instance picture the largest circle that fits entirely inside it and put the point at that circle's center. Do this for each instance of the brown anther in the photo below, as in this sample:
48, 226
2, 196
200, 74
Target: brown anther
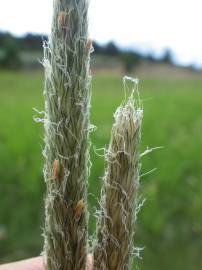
62, 18
57, 170
79, 209
89, 46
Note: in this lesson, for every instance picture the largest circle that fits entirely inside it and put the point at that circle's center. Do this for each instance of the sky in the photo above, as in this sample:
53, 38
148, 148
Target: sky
148, 26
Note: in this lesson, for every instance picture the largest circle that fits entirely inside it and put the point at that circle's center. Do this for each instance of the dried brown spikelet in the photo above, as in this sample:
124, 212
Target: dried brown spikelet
58, 170
79, 209
89, 46
62, 18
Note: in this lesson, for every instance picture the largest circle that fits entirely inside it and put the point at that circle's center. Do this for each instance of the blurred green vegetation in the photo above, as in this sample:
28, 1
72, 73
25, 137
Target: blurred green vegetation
9, 52
170, 223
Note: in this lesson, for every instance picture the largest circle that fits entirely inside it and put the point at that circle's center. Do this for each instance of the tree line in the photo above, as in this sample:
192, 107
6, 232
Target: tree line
11, 47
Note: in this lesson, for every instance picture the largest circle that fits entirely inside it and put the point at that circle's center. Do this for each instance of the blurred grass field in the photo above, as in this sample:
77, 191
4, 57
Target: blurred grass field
170, 223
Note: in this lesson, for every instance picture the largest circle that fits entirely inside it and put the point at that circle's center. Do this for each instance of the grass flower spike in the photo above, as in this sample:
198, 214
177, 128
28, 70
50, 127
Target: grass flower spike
115, 226
67, 97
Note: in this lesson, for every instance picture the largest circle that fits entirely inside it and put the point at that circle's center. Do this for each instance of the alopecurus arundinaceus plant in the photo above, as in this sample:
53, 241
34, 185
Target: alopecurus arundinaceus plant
67, 97
67, 103
115, 226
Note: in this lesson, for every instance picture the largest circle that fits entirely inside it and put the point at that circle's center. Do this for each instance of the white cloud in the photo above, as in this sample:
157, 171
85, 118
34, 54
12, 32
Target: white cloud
25, 16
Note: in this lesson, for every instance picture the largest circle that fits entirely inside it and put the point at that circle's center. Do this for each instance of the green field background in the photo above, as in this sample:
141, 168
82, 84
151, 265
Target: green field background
169, 226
